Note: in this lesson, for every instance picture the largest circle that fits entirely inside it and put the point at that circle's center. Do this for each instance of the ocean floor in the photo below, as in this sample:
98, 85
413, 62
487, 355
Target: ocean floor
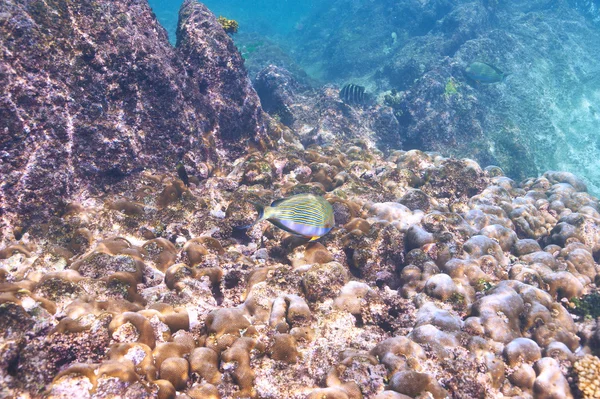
440, 279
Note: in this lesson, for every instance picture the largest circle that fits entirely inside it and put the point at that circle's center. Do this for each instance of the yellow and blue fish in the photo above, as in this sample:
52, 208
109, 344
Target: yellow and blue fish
305, 215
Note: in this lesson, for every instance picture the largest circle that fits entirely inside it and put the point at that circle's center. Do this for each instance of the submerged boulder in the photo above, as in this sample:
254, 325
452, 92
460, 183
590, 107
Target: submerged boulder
93, 92
216, 70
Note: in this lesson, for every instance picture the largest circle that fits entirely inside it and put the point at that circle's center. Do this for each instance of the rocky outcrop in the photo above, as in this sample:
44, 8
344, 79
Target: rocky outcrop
93, 91
279, 90
216, 70
320, 116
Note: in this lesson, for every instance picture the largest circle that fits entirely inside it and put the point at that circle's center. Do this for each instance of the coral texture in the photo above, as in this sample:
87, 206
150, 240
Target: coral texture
467, 298
441, 278
588, 376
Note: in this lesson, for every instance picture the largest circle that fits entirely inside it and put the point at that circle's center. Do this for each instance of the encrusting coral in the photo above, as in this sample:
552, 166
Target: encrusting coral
406, 301
229, 25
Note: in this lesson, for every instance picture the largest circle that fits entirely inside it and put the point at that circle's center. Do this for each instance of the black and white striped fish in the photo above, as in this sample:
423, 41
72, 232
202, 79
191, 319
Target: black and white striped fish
304, 215
352, 94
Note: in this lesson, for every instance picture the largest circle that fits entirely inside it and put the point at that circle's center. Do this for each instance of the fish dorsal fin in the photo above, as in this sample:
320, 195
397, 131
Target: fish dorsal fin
495, 69
277, 201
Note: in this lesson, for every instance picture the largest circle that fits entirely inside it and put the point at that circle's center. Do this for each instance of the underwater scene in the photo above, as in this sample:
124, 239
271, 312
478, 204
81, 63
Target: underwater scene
341, 199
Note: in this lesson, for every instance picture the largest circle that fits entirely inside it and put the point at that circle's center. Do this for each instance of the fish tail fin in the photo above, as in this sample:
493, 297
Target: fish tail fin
504, 76
261, 214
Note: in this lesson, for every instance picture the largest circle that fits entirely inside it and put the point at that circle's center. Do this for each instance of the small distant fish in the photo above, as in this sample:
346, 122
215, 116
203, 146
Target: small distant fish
352, 94
182, 173
304, 215
485, 73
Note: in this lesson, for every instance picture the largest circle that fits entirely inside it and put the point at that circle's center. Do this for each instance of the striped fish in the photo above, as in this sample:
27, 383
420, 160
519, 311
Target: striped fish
304, 215
352, 94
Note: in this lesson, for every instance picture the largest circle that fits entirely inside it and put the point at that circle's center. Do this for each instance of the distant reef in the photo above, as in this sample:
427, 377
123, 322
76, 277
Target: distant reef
92, 91
589, 8
543, 116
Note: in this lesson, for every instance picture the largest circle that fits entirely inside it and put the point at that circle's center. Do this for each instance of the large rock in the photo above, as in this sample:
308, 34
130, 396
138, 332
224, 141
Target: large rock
279, 91
320, 116
93, 91
216, 69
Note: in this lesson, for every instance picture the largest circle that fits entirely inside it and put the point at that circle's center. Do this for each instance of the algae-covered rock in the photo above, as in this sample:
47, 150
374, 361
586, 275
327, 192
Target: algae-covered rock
216, 71
94, 92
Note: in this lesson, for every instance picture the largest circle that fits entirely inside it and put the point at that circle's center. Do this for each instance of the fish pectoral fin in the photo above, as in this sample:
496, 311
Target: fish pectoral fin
314, 238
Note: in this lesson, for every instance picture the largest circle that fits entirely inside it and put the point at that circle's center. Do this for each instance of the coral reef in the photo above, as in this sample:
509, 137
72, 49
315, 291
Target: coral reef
588, 375
543, 116
441, 278
465, 291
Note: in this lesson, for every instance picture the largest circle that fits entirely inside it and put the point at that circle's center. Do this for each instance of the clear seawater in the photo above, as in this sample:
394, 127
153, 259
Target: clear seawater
272, 18
563, 126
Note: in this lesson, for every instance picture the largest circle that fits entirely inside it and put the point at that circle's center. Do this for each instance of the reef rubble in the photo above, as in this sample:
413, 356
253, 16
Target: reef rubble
441, 278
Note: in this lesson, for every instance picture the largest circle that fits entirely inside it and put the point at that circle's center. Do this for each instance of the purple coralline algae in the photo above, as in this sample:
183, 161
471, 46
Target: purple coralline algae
93, 92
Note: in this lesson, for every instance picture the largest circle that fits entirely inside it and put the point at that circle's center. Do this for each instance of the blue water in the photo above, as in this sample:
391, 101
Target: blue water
545, 116
273, 18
